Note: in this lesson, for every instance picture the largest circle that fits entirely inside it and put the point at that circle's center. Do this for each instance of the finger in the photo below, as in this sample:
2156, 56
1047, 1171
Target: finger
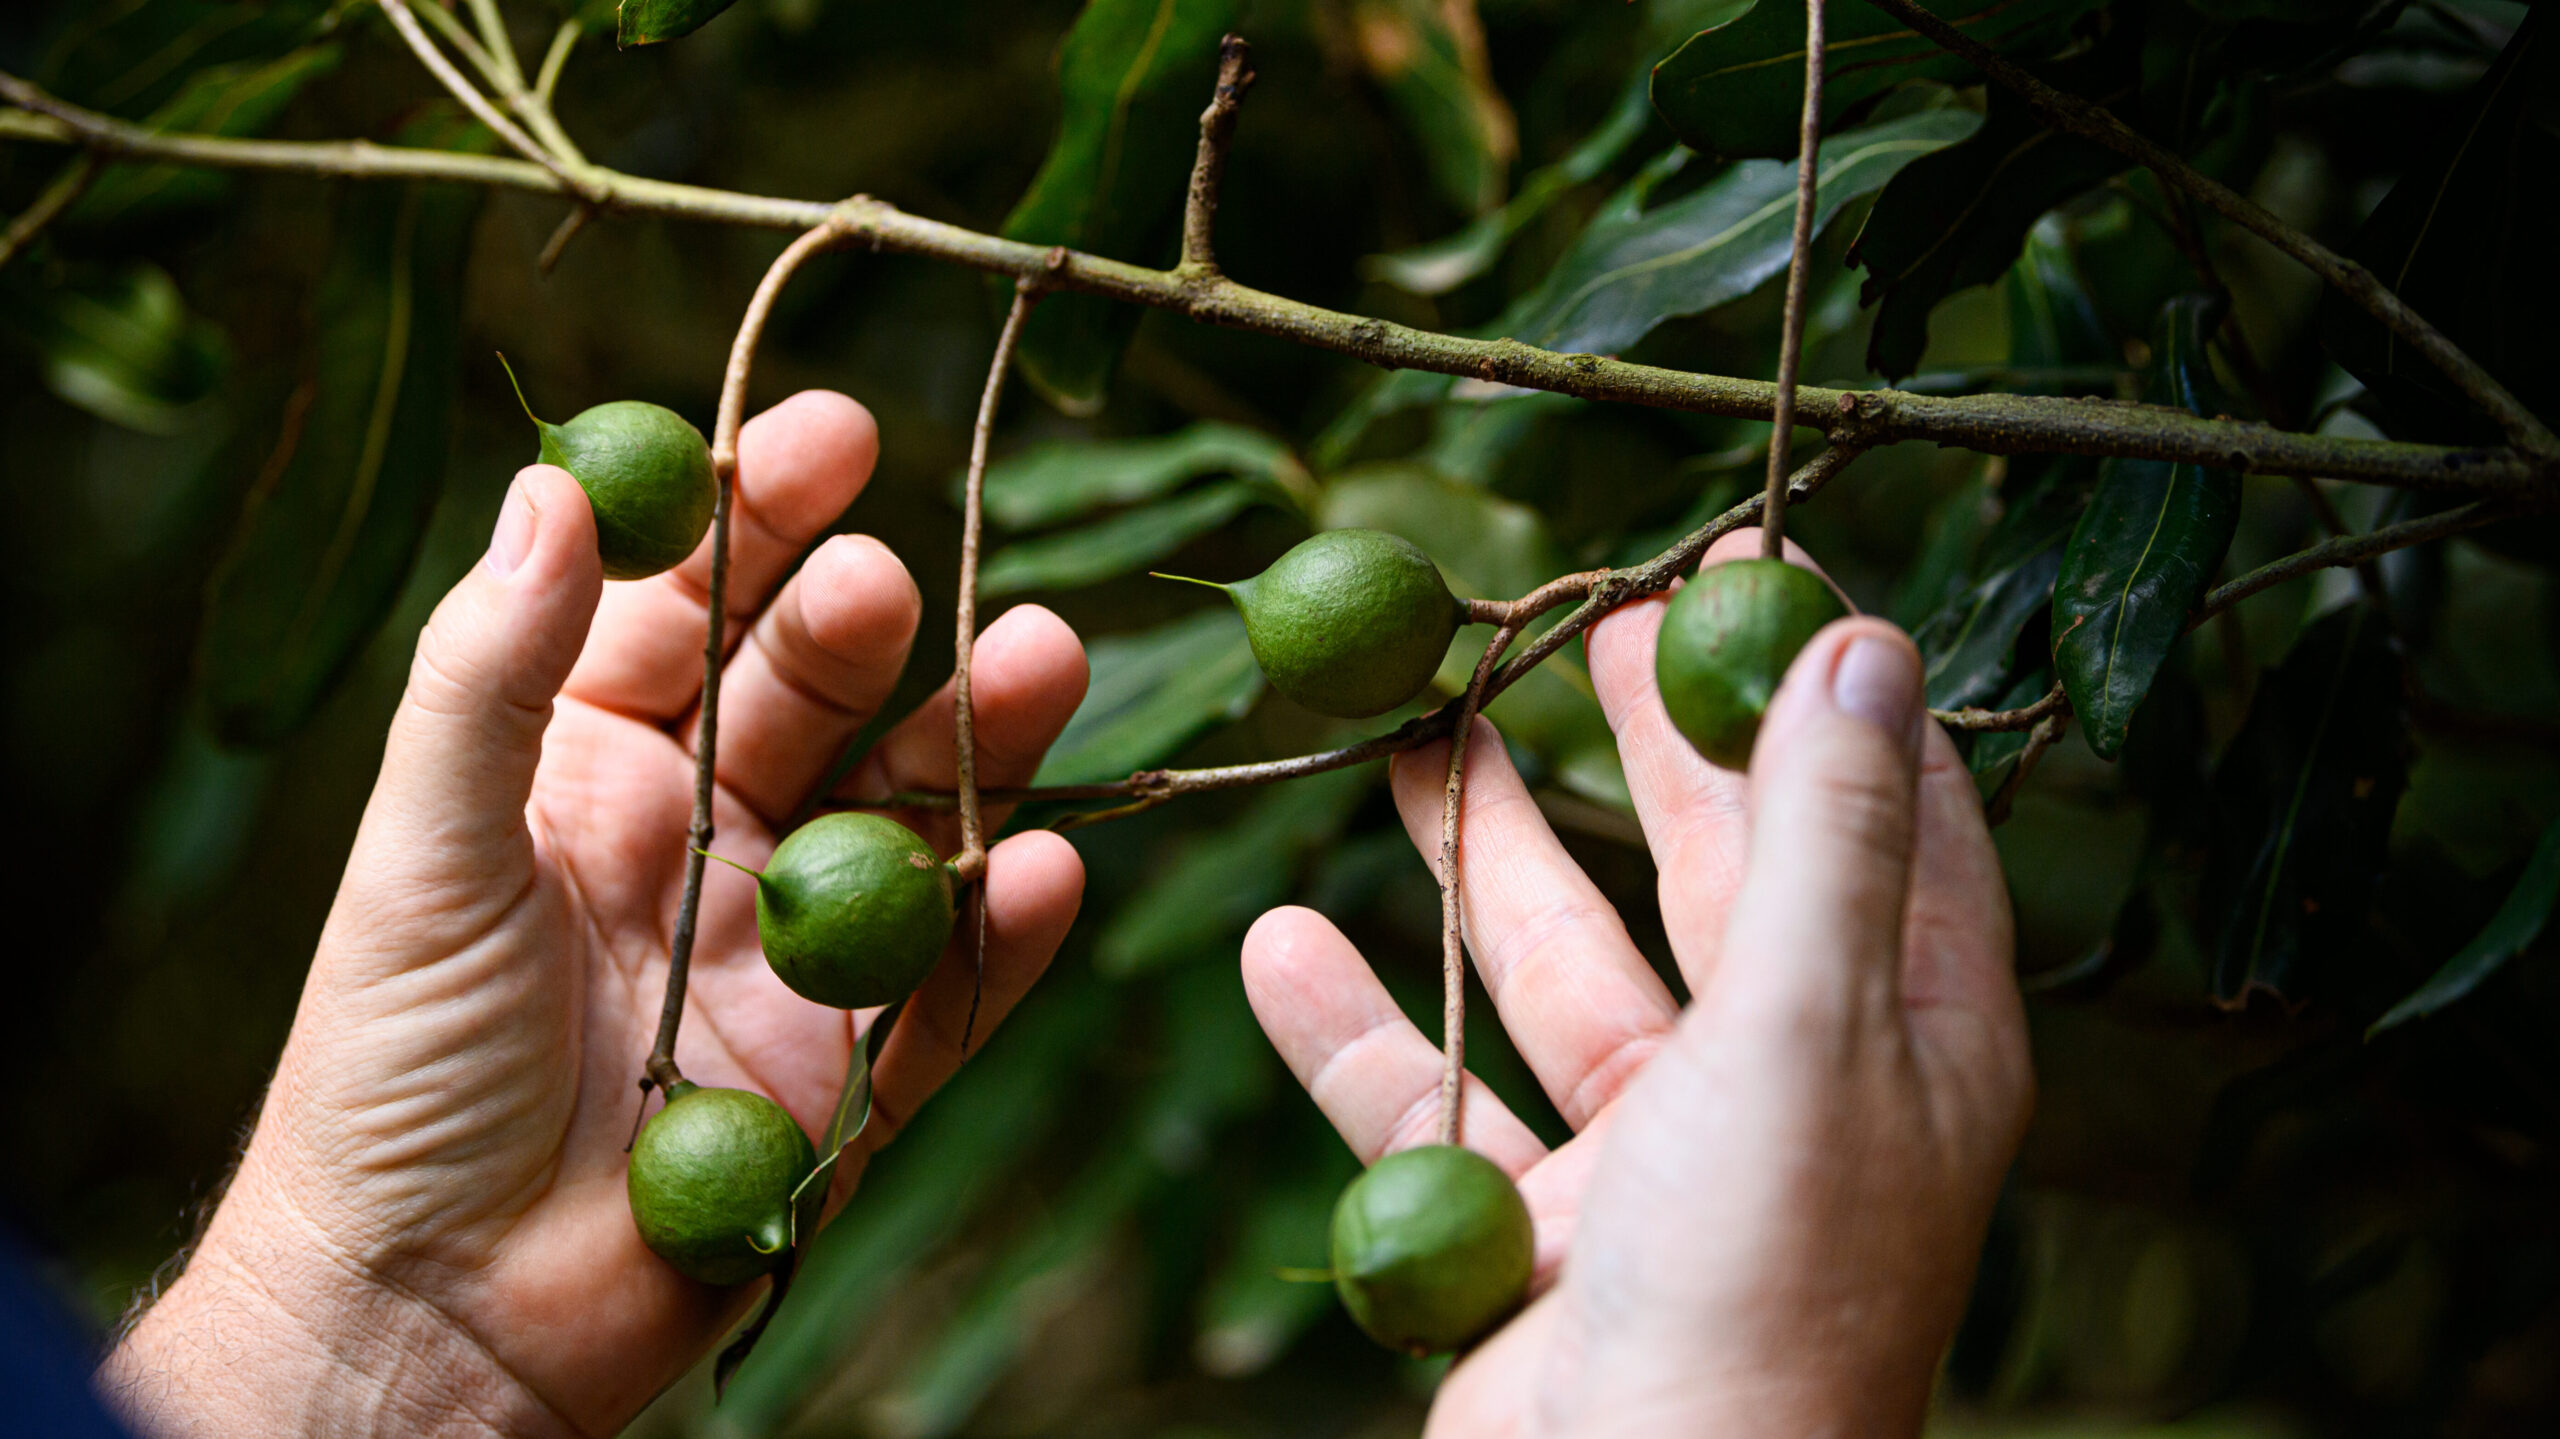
1571, 987
1816, 934
1363, 1063
1034, 884
1694, 814
799, 465
815, 668
447, 814
1959, 976
1027, 676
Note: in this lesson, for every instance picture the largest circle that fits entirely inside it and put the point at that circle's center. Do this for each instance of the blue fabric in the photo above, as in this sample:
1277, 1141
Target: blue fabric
44, 1363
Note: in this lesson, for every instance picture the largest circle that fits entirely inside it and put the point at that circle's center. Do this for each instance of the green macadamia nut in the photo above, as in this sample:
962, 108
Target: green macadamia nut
1727, 639
711, 1182
1431, 1248
854, 909
1351, 623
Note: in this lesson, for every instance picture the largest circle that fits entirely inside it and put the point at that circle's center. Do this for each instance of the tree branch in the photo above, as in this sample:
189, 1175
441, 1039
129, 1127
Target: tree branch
1217, 127
1453, 954
661, 1068
971, 863
1982, 721
1991, 424
1782, 418
1600, 590
2077, 116
424, 46
2351, 550
47, 207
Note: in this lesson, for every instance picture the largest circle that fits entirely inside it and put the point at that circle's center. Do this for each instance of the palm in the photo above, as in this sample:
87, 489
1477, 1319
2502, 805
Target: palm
520, 958
1740, 1115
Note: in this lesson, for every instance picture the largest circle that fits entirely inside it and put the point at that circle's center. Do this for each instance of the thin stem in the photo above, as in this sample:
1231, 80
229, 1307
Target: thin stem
48, 206
1217, 127
1782, 419
2077, 116
569, 228
1453, 957
971, 863
459, 36
405, 21
1982, 721
2000, 424
2351, 550
661, 1068
2046, 734
493, 35
1600, 591
554, 60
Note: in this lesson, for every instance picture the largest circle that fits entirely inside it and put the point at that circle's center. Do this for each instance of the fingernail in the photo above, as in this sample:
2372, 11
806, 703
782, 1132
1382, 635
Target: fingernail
1879, 682
513, 539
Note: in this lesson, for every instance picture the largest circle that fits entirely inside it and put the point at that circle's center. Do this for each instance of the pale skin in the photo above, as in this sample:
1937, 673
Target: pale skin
1765, 1225
1767, 1218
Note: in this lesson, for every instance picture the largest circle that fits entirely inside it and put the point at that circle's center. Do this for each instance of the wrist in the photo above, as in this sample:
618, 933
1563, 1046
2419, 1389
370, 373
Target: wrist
270, 1332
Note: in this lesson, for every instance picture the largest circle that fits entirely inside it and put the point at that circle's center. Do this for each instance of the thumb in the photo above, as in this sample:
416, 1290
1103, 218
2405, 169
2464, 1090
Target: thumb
1816, 934
458, 768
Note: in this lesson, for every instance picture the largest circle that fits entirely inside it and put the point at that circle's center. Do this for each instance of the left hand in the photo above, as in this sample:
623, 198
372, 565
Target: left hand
428, 1232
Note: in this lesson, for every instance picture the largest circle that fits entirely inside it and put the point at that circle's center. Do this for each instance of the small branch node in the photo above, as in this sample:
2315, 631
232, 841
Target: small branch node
1217, 127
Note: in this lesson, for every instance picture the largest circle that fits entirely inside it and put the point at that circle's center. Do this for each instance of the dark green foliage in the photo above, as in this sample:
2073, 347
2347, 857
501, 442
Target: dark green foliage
853, 910
1736, 91
711, 1180
1132, 77
342, 500
1431, 1248
1727, 639
2247, 1218
653, 22
2467, 237
1959, 218
2304, 799
2517, 924
2145, 550
1351, 623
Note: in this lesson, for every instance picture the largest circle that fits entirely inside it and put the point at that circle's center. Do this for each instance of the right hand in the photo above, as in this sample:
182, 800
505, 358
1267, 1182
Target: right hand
1768, 1217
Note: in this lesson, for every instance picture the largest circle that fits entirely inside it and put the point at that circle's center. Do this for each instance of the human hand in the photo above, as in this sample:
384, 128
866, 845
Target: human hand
1769, 1213
428, 1231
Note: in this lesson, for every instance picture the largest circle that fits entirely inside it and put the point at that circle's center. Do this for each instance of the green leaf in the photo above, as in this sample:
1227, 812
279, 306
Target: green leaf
1453, 260
1152, 693
1969, 647
129, 59
2053, 326
654, 22
1633, 267
1249, 1313
335, 520
2519, 921
2145, 551
117, 341
234, 100
1958, 218
1222, 882
1132, 78
1218, 1066
945, 1166
1429, 58
1109, 548
2467, 239
2304, 798
1737, 90
1067, 479
1485, 544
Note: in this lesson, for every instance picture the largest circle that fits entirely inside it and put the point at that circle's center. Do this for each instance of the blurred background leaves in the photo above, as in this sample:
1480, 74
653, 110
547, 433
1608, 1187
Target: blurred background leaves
239, 480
